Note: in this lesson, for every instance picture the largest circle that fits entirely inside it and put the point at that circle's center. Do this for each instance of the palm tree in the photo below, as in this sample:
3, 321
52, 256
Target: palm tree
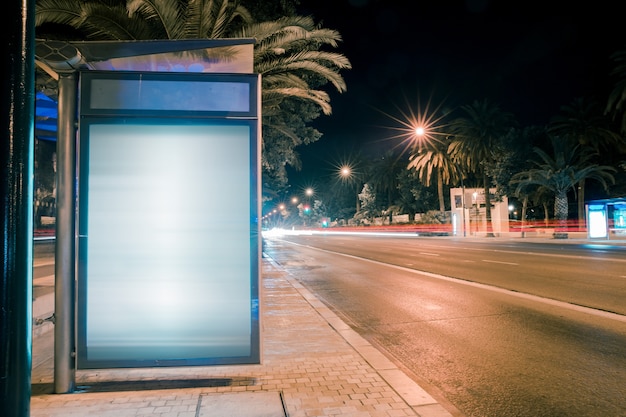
616, 104
537, 195
143, 20
293, 68
583, 123
384, 177
474, 137
433, 160
190, 19
288, 53
560, 173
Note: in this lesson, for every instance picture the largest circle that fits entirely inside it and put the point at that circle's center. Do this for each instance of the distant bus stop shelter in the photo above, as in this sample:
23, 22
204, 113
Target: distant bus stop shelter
606, 219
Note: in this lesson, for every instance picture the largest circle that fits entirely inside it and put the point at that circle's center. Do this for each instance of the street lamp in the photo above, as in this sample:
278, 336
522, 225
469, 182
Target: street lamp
345, 172
417, 124
477, 209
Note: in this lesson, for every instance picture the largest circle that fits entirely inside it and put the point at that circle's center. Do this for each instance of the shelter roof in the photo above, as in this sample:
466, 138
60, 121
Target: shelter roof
54, 57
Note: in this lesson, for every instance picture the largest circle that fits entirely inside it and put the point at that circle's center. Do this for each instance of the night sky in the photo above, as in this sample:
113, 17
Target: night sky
528, 57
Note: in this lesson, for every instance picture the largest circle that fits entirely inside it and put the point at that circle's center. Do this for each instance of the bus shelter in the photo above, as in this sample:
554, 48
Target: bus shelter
158, 201
606, 219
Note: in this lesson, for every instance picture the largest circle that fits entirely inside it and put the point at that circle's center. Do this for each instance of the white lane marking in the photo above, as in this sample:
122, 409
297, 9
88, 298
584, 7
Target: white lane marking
500, 262
550, 301
430, 254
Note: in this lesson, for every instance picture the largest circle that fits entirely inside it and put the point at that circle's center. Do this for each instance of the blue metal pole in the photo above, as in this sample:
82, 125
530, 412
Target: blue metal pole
16, 208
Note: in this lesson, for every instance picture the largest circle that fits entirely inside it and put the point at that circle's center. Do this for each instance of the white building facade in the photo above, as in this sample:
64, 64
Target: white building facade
469, 215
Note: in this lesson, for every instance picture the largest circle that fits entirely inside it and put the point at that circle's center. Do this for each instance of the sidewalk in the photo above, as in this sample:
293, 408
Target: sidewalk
313, 365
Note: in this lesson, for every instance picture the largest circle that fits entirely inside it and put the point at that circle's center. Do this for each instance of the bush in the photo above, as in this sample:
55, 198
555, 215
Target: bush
433, 217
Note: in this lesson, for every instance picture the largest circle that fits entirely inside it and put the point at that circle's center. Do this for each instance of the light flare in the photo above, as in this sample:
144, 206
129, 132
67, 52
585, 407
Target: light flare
417, 127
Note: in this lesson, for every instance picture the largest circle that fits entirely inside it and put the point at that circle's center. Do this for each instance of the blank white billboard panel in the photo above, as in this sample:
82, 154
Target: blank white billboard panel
168, 242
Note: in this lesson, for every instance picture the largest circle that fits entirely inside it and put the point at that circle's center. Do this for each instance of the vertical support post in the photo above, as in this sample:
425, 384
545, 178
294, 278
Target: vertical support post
463, 206
16, 209
65, 267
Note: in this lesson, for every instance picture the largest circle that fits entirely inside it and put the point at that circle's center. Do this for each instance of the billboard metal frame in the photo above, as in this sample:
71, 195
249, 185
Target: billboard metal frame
174, 101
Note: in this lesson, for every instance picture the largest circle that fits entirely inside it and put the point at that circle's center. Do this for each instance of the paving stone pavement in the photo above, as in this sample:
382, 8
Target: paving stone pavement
313, 364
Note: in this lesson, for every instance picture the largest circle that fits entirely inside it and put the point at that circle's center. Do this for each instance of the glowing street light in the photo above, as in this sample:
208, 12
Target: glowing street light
346, 174
418, 126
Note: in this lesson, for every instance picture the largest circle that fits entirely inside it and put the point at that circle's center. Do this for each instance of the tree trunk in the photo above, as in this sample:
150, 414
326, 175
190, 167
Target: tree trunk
581, 204
561, 213
524, 208
442, 206
389, 203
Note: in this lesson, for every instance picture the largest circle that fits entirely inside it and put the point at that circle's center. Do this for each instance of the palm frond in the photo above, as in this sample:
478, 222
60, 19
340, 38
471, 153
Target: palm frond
64, 12
166, 15
283, 80
321, 98
106, 23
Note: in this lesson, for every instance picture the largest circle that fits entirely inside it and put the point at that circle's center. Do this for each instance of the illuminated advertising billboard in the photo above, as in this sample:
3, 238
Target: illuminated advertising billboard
168, 207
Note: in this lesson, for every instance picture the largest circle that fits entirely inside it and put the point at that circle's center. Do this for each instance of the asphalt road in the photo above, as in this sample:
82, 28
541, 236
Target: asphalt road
496, 329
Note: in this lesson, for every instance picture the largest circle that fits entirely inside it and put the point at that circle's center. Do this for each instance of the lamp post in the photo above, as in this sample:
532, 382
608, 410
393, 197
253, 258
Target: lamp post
463, 204
346, 173
475, 204
287, 211
306, 205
